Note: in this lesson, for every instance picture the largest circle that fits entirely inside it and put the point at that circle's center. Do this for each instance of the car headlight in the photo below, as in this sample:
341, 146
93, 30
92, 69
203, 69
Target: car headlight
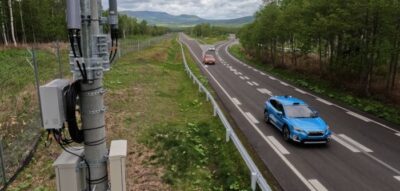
298, 129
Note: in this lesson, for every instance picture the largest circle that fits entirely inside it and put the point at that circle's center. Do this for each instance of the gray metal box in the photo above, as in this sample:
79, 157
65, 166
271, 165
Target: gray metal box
52, 103
69, 175
117, 162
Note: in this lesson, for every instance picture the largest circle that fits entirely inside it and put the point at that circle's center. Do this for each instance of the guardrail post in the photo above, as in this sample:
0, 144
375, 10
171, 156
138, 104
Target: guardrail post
228, 134
253, 180
215, 111
208, 97
200, 88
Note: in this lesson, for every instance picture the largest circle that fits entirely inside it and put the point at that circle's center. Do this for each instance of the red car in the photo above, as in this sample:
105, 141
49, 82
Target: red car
209, 59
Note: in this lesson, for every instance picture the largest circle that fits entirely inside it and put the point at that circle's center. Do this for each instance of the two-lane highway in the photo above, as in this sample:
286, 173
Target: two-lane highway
363, 155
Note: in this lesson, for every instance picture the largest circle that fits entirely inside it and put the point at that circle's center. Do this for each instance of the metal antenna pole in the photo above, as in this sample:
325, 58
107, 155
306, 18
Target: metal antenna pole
91, 98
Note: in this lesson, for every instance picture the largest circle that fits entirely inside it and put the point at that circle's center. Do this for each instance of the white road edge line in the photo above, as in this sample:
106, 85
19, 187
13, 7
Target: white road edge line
359, 116
355, 143
397, 177
236, 101
252, 118
285, 84
398, 134
272, 78
348, 146
301, 91
278, 145
324, 101
317, 185
284, 159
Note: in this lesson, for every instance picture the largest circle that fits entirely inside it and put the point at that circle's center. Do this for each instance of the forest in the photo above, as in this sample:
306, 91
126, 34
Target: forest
17, 18
354, 44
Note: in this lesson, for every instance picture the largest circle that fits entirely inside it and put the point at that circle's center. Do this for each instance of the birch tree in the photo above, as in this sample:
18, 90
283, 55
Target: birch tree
12, 22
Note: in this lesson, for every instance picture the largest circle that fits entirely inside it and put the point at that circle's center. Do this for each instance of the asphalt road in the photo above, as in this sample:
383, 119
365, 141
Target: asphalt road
364, 153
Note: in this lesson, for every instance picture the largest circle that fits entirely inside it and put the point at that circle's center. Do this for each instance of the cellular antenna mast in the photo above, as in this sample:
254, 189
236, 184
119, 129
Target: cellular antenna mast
89, 59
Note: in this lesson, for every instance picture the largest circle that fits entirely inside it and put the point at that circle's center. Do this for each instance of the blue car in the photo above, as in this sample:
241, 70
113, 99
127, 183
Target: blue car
296, 120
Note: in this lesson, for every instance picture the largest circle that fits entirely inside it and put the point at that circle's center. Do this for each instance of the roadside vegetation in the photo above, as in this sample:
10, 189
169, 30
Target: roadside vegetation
209, 34
19, 112
355, 45
174, 142
320, 86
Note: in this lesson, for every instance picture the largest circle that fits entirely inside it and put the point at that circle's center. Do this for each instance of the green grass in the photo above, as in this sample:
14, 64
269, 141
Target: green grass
19, 113
176, 121
313, 83
174, 142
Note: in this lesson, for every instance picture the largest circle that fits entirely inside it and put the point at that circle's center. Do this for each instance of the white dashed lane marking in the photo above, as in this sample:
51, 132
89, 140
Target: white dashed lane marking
255, 83
264, 91
252, 118
251, 84
247, 78
317, 185
355, 143
345, 144
236, 101
278, 145
241, 77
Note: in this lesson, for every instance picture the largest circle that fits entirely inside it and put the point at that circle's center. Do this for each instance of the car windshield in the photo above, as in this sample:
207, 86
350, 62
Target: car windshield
298, 111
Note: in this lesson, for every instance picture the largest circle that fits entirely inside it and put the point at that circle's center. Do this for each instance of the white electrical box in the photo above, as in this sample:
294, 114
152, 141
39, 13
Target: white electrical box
52, 103
69, 175
117, 158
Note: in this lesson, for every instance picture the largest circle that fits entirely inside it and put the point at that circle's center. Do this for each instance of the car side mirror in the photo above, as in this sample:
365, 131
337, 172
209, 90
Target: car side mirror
315, 114
280, 113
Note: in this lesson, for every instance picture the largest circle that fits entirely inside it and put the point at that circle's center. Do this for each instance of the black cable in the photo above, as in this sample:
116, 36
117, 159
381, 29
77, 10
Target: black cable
72, 41
85, 72
78, 40
114, 36
71, 101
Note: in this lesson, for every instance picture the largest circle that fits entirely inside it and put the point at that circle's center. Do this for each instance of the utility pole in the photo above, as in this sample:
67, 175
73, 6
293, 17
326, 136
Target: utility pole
89, 59
91, 97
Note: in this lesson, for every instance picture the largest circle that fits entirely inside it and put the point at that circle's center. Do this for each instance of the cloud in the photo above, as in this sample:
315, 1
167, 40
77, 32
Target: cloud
209, 9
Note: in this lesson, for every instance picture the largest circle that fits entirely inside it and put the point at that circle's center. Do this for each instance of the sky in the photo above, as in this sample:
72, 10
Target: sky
208, 9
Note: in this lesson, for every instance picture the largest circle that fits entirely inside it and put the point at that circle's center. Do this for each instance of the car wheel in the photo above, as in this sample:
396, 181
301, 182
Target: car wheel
286, 134
266, 117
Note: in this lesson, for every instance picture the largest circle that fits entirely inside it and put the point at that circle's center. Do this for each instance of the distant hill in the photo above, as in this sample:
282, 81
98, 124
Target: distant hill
163, 18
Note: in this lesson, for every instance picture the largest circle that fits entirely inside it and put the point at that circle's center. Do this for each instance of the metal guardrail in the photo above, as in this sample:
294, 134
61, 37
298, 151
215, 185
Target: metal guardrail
256, 176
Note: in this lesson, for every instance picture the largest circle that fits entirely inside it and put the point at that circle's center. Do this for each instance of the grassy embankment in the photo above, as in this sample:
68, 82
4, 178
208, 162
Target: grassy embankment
388, 112
174, 141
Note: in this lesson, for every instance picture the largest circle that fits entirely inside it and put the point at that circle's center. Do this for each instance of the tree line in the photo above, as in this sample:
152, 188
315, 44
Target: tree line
25, 21
352, 41
208, 30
